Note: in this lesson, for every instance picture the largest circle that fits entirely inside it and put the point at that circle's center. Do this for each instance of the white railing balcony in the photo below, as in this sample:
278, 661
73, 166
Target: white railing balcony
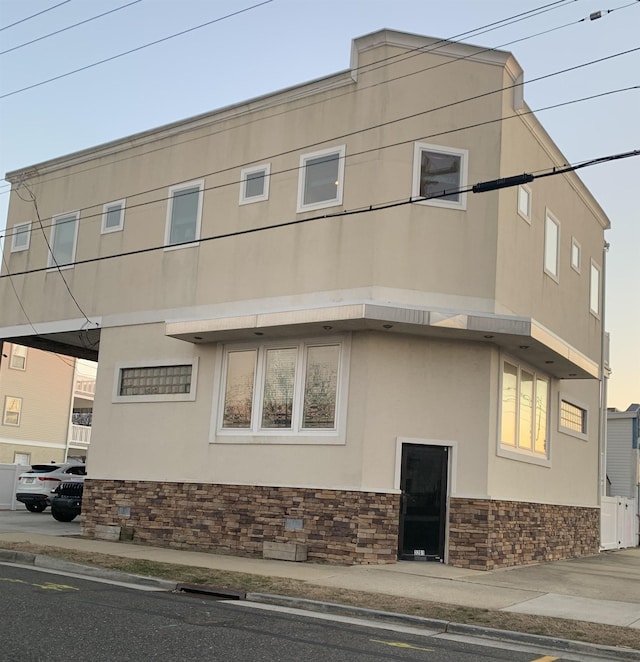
85, 388
80, 435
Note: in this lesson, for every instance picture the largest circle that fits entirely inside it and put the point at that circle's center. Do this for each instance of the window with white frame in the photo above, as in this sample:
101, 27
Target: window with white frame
21, 237
524, 202
184, 212
321, 179
18, 360
22, 458
594, 289
156, 381
439, 174
551, 243
288, 388
12, 411
254, 184
576, 254
572, 419
524, 410
64, 236
113, 216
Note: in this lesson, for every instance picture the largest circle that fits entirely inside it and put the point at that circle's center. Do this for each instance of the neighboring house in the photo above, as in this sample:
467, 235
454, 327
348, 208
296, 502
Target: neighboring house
623, 456
41, 396
416, 382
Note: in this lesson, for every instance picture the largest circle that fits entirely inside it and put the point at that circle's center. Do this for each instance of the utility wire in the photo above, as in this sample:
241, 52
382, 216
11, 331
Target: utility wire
69, 27
416, 51
377, 126
359, 89
138, 48
28, 18
481, 188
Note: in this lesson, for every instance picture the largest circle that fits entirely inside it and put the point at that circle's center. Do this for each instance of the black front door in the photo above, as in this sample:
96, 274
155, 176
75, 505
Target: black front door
423, 481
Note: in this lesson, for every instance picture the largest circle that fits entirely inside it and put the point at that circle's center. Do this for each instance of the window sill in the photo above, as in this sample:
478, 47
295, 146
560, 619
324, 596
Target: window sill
330, 439
523, 456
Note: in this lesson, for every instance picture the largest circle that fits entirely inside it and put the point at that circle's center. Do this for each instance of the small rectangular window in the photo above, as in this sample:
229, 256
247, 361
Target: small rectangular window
113, 216
22, 458
594, 289
524, 202
12, 411
576, 254
573, 418
254, 184
184, 214
18, 360
440, 175
551, 243
320, 183
64, 236
156, 381
21, 237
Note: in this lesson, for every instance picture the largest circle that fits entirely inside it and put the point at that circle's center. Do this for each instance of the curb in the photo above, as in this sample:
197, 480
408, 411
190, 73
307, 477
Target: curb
448, 627
51, 563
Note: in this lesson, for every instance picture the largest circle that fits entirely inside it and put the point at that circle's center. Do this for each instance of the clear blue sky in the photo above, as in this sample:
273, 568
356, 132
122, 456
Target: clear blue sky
286, 42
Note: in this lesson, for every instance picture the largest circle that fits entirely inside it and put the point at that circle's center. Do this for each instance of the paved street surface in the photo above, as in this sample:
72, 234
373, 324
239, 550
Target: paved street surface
65, 618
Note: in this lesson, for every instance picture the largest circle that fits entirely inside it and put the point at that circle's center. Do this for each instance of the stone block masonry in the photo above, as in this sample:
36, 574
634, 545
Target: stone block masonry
338, 526
487, 534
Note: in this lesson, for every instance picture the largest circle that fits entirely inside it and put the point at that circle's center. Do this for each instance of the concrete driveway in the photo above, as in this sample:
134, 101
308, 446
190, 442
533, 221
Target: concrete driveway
25, 522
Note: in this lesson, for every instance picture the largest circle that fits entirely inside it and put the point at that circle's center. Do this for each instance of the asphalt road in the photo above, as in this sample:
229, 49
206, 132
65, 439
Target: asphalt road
51, 617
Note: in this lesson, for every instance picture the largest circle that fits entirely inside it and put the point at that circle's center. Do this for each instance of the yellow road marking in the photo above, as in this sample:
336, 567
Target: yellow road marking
47, 587
401, 644
546, 658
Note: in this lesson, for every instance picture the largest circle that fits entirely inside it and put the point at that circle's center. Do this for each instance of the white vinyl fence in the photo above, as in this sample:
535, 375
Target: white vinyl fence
8, 480
618, 523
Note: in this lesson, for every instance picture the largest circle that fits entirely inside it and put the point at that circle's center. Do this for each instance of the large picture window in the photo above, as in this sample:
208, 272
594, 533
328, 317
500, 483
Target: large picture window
321, 180
439, 175
285, 388
184, 212
524, 410
64, 235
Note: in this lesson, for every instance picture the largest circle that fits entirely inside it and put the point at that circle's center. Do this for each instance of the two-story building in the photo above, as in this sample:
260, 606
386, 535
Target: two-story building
311, 329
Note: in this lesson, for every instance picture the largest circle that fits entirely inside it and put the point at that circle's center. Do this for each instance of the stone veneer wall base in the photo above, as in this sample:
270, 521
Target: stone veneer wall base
486, 534
338, 526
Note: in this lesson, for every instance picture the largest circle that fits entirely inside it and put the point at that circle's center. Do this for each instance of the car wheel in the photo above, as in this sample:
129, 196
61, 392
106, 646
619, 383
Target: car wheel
62, 516
35, 507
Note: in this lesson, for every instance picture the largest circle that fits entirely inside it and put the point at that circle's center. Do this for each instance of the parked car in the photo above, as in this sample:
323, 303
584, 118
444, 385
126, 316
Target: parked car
35, 487
66, 504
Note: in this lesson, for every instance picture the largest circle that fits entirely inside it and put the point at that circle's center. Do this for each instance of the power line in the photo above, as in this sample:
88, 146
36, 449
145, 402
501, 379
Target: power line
69, 27
550, 172
28, 18
373, 127
138, 48
399, 57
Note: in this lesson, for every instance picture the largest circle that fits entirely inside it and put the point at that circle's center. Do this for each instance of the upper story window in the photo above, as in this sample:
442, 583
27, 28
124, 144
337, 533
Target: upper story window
113, 216
64, 236
12, 411
156, 381
594, 289
184, 213
524, 202
440, 174
551, 244
254, 184
576, 254
21, 237
321, 179
18, 360
269, 391
524, 407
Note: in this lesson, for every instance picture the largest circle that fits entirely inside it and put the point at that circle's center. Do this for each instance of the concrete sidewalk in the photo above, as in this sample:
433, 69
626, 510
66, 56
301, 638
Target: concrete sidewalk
601, 589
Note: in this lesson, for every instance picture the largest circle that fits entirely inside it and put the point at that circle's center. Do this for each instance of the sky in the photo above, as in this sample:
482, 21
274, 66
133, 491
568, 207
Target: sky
253, 47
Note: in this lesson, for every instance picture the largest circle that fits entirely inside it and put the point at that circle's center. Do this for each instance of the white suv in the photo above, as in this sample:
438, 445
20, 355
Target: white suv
35, 487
